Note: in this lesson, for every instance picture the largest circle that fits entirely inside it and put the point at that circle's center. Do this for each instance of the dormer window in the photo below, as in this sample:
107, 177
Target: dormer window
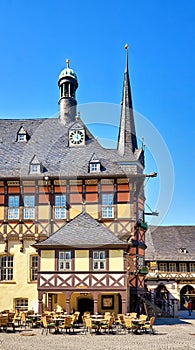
22, 135
94, 164
94, 167
35, 166
183, 251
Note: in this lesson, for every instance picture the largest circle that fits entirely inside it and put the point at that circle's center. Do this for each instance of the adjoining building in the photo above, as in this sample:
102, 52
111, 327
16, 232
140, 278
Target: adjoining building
67, 208
170, 257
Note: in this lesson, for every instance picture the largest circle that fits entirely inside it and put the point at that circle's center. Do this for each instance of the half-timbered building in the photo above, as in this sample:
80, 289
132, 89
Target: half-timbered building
67, 208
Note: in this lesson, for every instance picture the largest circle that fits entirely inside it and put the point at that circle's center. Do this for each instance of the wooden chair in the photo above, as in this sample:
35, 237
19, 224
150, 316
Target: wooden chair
4, 322
108, 326
25, 320
120, 321
89, 325
47, 325
68, 324
149, 325
143, 317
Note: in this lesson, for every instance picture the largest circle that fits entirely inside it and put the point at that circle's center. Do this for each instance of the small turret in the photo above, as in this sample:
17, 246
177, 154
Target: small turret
68, 84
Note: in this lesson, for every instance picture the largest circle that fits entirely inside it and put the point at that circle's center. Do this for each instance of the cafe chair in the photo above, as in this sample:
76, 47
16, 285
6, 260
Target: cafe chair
108, 326
143, 317
148, 326
90, 325
47, 325
67, 325
26, 321
4, 322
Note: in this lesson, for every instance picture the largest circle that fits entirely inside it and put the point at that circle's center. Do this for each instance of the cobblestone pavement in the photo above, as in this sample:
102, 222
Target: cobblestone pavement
170, 334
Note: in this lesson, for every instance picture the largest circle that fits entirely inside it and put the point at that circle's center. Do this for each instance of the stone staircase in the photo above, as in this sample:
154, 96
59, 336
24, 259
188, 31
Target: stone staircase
154, 310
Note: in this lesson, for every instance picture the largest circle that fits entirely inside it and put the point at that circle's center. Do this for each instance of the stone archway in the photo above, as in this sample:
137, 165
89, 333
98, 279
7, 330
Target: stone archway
162, 297
186, 293
85, 304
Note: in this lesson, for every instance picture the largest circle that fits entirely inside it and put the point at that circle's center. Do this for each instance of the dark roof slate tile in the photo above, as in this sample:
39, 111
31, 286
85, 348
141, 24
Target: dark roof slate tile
82, 232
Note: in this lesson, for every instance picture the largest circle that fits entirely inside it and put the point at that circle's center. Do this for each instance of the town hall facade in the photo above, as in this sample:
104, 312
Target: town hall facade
72, 229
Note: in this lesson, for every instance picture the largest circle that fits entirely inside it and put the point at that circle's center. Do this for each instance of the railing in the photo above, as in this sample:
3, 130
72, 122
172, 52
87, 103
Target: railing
171, 275
82, 280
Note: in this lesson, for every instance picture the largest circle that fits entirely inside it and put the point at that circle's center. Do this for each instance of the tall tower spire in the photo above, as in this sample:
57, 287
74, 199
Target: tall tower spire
127, 140
68, 84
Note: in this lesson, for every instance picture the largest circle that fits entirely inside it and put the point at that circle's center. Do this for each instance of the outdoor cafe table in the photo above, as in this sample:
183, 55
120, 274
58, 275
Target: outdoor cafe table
138, 322
98, 320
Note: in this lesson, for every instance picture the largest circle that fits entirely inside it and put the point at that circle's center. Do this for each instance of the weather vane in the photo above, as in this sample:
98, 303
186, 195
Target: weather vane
67, 62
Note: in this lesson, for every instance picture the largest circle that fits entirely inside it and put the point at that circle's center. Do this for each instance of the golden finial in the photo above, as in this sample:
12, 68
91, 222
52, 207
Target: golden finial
126, 46
67, 62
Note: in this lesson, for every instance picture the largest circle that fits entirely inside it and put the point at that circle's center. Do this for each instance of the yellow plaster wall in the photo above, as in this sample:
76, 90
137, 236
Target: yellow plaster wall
116, 260
20, 286
75, 210
12, 227
92, 210
44, 212
47, 260
123, 210
81, 260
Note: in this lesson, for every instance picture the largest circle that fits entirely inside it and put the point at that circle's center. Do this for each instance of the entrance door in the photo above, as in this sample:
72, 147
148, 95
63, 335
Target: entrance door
85, 304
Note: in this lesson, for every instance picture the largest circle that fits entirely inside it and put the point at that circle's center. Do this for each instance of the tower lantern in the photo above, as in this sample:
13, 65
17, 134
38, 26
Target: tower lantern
68, 85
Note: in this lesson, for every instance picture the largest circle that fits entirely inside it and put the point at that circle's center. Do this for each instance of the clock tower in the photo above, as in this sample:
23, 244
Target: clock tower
68, 84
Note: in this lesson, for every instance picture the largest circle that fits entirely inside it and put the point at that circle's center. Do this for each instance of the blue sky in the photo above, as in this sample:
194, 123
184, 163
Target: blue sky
37, 36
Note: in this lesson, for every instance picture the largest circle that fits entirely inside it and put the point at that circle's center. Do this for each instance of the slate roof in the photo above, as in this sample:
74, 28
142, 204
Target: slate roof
164, 243
48, 140
82, 232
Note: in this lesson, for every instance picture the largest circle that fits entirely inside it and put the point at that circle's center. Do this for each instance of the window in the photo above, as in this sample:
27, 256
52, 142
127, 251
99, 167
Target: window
64, 261
29, 204
6, 266
99, 260
21, 137
182, 267
35, 168
21, 303
13, 210
163, 267
107, 205
60, 207
192, 267
33, 267
172, 267
94, 167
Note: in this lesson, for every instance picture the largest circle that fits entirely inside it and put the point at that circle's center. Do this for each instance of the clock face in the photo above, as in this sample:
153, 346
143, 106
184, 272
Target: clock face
76, 137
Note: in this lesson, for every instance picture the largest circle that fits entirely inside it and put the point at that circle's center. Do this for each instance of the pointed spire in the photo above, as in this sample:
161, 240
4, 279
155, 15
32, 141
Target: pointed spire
127, 141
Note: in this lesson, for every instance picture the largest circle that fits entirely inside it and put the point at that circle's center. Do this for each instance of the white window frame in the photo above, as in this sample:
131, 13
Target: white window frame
172, 267
192, 267
107, 205
21, 137
33, 267
6, 267
94, 167
64, 260
182, 267
60, 206
13, 207
163, 267
35, 168
99, 260
21, 303
29, 207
